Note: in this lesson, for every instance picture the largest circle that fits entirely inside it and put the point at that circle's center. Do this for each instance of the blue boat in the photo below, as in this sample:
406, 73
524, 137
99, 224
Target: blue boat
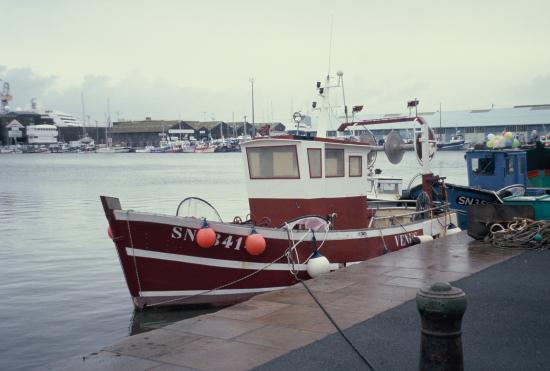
492, 176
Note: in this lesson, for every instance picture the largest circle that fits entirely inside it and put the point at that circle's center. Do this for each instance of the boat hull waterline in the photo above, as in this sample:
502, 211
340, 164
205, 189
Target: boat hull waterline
164, 266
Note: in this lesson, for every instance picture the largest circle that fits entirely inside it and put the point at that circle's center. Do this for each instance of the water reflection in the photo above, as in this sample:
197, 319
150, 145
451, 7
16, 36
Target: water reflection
152, 319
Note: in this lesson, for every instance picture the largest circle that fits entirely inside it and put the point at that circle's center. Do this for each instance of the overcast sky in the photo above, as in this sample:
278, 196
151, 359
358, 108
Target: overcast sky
193, 59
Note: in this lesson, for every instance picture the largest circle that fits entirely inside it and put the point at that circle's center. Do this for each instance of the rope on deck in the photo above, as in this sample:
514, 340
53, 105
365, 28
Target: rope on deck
521, 233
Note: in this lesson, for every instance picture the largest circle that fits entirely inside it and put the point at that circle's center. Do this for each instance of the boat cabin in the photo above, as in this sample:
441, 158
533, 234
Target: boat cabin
384, 188
496, 169
291, 177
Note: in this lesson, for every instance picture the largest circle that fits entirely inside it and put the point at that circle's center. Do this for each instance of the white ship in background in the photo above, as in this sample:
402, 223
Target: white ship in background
61, 119
55, 117
36, 126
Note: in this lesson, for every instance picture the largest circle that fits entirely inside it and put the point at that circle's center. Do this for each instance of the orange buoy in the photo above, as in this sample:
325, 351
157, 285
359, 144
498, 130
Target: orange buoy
110, 232
255, 243
206, 236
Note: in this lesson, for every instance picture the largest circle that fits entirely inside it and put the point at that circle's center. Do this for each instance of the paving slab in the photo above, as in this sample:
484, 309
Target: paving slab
505, 326
270, 327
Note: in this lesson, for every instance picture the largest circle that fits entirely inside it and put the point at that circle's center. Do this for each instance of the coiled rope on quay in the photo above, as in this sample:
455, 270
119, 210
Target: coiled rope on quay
521, 233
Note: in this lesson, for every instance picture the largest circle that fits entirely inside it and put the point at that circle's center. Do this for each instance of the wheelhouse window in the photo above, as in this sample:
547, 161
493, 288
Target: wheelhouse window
334, 163
314, 162
278, 162
483, 166
509, 166
355, 166
389, 188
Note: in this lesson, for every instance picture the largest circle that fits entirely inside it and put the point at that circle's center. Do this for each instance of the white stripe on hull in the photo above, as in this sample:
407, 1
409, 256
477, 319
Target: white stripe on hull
215, 292
236, 264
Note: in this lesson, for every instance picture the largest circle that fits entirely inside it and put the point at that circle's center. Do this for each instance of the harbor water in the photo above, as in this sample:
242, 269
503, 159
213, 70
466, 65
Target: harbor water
62, 289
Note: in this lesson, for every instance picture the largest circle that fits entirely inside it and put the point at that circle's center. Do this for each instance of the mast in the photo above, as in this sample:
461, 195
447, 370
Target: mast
325, 108
234, 124
108, 116
330, 46
83, 111
324, 92
252, 86
341, 81
440, 128
106, 119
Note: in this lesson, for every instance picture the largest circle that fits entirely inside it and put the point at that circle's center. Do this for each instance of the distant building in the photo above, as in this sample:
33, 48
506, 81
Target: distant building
144, 133
475, 125
150, 132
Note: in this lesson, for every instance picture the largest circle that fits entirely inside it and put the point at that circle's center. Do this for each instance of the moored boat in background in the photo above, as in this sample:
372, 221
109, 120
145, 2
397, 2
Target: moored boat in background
116, 149
457, 143
205, 147
493, 174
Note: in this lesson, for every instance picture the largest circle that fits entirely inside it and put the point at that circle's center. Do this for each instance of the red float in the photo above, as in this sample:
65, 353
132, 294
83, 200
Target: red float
255, 243
206, 236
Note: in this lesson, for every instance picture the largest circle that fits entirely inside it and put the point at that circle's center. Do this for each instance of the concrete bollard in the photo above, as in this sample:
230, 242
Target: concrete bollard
441, 307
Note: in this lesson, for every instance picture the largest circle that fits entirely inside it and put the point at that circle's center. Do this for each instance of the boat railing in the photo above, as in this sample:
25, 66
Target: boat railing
442, 207
377, 204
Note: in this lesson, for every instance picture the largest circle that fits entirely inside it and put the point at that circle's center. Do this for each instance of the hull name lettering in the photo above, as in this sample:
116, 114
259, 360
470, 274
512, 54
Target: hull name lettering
188, 234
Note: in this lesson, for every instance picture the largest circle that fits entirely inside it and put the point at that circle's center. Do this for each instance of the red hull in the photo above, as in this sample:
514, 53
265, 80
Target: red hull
163, 265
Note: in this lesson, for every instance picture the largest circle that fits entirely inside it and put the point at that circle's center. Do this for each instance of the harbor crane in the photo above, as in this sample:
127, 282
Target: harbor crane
5, 97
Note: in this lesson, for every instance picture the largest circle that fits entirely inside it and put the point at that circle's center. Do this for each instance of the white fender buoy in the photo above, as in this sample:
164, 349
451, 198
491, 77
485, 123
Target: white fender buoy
425, 238
452, 229
317, 265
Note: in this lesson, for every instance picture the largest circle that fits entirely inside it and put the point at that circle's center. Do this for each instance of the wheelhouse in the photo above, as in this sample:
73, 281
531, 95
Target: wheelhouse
289, 178
496, 169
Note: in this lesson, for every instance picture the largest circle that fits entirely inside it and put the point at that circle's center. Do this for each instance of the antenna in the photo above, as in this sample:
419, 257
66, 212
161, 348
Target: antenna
330, 43
341, 80
252, 88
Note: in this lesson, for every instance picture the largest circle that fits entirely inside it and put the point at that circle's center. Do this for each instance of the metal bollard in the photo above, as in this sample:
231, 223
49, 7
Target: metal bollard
441, 307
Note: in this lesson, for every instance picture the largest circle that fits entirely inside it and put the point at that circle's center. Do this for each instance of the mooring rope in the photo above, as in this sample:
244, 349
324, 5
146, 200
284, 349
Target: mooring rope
132, 247
521, 233
205, 292
333, 322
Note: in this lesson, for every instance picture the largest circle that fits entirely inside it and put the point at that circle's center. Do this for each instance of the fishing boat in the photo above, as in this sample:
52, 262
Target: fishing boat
309, 215
181, 146
457, 143
116, 149
493, 175
228, 145
205, 147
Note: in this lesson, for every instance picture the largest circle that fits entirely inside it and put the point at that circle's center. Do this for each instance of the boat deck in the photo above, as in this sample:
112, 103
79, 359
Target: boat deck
373, 300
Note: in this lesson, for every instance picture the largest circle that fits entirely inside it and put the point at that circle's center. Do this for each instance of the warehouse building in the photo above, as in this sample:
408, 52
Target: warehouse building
150, 132
475, 125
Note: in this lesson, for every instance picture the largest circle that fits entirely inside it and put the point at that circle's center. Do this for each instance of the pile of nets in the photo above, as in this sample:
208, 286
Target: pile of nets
521, 233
